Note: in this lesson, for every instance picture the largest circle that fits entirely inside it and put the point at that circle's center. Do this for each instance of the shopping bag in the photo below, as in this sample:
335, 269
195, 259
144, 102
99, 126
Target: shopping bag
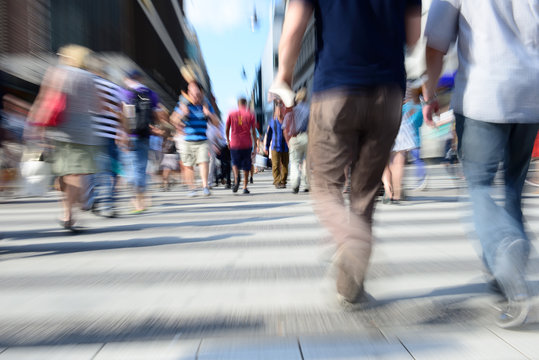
36, 173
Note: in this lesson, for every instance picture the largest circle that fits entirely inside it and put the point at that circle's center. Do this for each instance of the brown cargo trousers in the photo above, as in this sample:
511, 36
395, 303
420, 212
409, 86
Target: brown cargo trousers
279, 164
356, 128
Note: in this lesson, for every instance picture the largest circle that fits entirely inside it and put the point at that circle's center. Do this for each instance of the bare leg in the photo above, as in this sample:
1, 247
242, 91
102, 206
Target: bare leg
245, 178
204, 169
139, 201
189, 176
397, 172
71, 186
386, 180
182, 173
166, 174
236, 174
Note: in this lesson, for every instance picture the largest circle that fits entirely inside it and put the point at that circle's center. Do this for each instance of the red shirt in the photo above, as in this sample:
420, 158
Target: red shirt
241, 122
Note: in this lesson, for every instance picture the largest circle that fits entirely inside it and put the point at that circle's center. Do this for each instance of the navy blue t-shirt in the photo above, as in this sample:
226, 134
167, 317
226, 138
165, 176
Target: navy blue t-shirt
359, 42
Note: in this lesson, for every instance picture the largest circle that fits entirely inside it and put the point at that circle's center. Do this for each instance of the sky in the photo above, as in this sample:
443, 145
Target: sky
224, 32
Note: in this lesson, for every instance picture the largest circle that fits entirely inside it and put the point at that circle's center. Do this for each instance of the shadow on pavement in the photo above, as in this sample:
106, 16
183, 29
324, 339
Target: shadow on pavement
27, 201
419, 200
47, 233
467, 289
58, 332
235, 207
57, 248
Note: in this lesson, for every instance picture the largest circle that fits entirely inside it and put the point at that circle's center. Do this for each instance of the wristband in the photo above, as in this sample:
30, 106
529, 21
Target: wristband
428, 102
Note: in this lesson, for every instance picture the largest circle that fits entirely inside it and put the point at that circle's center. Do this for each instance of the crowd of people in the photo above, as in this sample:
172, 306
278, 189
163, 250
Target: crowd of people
355, 127
98, 132
354, 134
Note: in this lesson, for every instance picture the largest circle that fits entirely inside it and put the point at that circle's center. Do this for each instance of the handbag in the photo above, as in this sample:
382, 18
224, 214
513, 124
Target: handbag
52, 106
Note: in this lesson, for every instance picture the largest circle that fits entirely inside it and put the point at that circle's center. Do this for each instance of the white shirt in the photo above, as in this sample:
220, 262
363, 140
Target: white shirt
498, 51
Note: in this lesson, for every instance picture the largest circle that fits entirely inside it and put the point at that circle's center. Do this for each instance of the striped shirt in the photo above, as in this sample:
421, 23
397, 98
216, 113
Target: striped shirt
196, 123
275, 133
105, 124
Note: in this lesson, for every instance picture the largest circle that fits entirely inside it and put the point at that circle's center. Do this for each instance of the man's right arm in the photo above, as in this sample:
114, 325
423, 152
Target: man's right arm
227, 131
296, 20
269, 135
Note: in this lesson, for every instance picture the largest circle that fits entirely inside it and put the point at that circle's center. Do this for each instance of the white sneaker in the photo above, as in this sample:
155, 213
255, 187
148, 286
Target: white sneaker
422, 185
513, 314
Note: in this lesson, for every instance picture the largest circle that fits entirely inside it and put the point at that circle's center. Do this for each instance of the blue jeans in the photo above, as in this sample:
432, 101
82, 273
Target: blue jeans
136, 162
101, 185
420, 171
481, 148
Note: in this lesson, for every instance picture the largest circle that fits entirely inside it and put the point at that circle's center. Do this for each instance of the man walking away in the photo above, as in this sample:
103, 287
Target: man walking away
358, 88
140, 112
240, 135
497, 118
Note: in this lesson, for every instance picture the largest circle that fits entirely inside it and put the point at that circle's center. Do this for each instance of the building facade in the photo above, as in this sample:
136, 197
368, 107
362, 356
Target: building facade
151, 36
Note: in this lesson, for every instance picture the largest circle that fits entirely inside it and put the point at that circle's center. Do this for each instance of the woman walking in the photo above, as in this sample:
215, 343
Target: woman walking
74, 146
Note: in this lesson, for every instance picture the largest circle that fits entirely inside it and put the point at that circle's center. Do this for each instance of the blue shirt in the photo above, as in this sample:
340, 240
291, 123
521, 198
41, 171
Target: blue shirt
413, 114
359, 43
196, 123
498, 50
275, 133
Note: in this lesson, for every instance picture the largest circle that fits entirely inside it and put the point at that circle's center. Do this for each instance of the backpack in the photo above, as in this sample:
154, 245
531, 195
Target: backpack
143, 113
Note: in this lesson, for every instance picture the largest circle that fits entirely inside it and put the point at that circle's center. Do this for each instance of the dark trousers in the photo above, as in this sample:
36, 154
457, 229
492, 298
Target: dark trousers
224, 158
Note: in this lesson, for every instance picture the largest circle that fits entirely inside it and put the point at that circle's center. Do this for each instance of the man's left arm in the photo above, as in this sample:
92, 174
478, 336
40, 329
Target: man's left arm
441, 30
412, 23
210, 114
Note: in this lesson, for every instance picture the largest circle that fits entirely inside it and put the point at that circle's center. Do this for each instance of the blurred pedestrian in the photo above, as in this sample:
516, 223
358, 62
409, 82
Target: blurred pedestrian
295, 130
74, 146
253, 154
241, 137
170, 158
141, 112
358, 88
407, 141
279, 148
216, 140
223, 154
107, 127
497, 118
192, 115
